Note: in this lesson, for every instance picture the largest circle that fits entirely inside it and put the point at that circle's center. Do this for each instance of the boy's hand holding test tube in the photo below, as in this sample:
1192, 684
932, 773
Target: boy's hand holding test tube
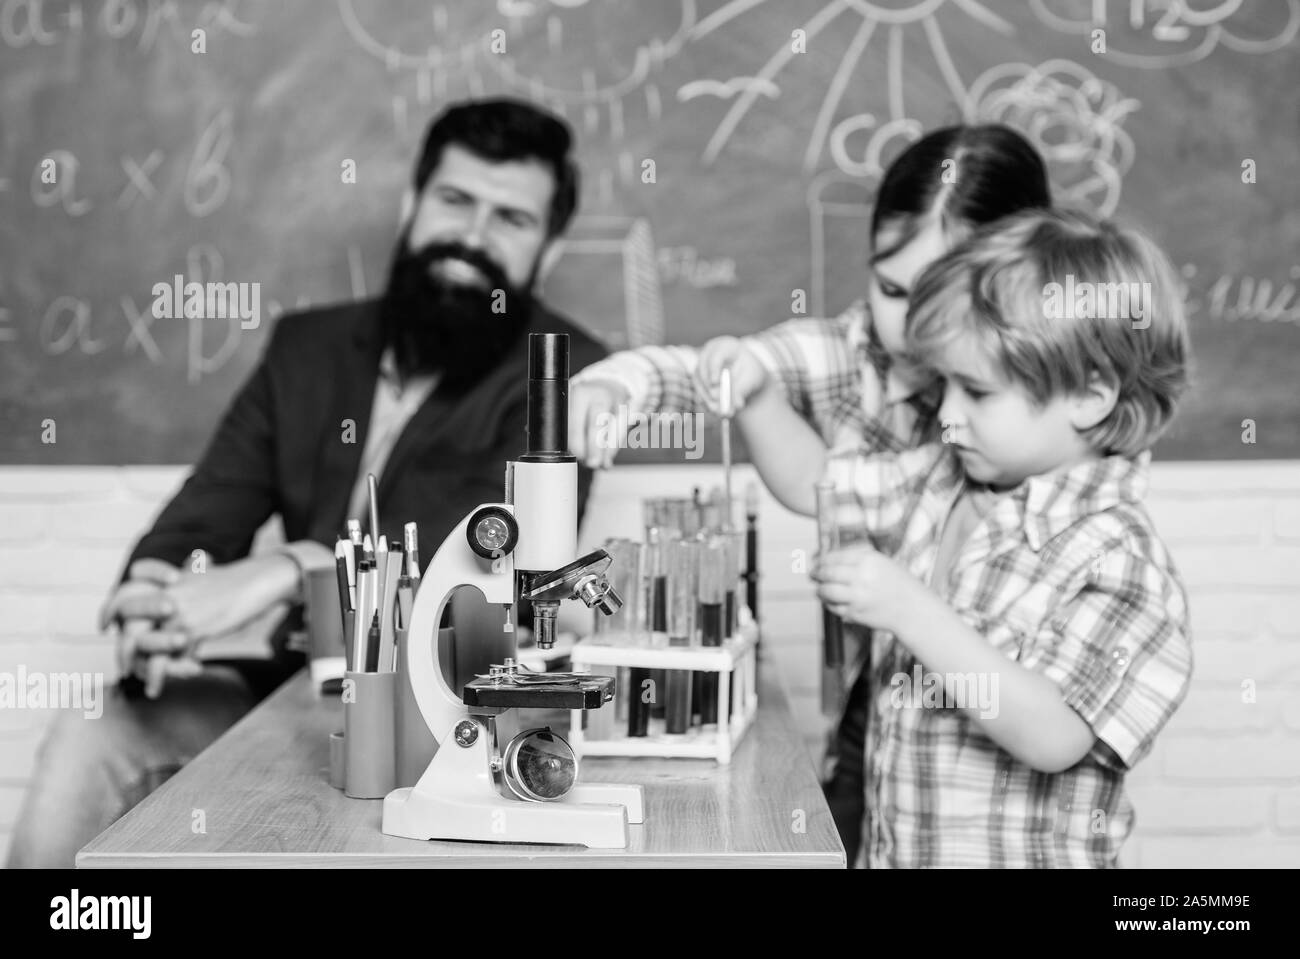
861, 585
1028, 718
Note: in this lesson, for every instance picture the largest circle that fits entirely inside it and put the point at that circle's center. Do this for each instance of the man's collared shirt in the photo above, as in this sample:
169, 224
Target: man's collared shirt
395, 402
834, 372
394, 405
1065, 575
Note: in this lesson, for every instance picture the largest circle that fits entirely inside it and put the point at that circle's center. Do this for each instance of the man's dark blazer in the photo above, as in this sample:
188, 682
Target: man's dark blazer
280, 446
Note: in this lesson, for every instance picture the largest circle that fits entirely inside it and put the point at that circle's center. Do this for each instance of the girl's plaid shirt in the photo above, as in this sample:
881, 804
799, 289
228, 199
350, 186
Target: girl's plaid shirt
834, 371
1066, 576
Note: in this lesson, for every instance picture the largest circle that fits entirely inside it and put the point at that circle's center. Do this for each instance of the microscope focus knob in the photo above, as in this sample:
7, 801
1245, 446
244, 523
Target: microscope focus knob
492, 532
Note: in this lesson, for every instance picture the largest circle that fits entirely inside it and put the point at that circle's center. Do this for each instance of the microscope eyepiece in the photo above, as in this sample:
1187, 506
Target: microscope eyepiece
548, 356
548, 399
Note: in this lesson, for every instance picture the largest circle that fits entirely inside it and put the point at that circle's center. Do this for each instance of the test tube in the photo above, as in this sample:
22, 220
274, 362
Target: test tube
654, 576
714, 566
827, 541
832, 625
669, 538
683, 586
623, 628
652, 513
734, 546
751, 550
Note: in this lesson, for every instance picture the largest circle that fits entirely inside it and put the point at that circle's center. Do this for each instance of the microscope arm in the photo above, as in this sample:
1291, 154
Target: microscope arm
453, 565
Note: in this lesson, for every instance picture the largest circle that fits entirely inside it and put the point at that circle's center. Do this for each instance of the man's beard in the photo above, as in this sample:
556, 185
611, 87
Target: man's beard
435, 324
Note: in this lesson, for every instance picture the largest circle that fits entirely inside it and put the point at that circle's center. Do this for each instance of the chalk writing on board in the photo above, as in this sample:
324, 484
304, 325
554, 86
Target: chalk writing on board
139, 178
67, 321
1233, 299
683, 264
725, 91
1165, 33
631, 242
827, 133
25, 23
595, 100
871, 162
603, 82
1074, 119
206, 187
834, 200
54, 181
70, 324
207, 182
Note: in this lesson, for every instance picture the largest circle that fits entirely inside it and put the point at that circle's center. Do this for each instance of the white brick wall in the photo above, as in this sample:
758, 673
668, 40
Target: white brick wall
1221, 788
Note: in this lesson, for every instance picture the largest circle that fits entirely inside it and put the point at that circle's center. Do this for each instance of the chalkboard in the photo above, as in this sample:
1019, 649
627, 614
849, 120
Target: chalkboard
729, 150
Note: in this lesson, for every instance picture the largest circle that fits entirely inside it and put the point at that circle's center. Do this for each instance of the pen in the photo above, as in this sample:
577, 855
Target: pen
405, 599
411, 544
382, 558
372, 599
341, 550
365, 603
372, 645
347, 552
388, 595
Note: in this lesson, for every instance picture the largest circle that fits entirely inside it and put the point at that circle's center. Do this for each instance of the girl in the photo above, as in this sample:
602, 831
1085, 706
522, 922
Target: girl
807, 386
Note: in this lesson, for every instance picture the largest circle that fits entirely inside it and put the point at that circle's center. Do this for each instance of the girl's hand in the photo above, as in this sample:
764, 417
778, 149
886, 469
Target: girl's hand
861, 585
593, 406
748, 376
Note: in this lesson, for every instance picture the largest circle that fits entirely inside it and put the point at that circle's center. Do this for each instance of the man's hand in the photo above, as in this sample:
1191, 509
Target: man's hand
153, 655
748, 376
137, 607
863, 586
164, 614
224, 598
593, 407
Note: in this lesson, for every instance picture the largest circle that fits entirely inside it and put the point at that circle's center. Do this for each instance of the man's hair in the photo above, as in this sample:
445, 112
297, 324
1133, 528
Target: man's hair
1019, 289
504, 130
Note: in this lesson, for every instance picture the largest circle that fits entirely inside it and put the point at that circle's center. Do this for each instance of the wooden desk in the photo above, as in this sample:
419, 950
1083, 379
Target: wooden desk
264, 792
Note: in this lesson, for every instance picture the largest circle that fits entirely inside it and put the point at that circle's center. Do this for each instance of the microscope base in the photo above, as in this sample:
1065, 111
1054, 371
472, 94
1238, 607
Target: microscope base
457, 799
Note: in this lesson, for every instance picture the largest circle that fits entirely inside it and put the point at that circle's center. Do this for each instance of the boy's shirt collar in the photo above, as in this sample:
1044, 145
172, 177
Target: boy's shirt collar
1051, 503
1055, 501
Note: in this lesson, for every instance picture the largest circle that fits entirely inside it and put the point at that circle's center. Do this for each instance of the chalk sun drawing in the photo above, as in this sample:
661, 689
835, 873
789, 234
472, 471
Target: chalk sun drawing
827, 135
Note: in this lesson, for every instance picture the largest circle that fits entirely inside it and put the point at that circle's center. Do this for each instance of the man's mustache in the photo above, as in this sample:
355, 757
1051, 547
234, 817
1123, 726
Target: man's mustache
431, 254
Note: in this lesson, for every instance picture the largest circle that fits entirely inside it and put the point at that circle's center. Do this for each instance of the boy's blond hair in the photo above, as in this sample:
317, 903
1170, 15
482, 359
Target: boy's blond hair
1054, 297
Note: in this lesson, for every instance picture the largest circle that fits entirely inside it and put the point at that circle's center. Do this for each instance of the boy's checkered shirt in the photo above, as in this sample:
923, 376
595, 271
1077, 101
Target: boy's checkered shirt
1066, 576
834, 371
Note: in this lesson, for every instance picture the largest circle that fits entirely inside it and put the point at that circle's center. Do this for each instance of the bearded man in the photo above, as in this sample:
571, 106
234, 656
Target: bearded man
425, 387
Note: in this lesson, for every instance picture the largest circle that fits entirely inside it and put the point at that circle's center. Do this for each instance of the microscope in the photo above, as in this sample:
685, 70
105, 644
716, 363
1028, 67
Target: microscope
522, 548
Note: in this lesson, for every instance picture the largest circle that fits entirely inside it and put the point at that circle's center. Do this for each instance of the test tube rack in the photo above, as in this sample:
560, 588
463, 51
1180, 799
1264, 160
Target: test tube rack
735, 662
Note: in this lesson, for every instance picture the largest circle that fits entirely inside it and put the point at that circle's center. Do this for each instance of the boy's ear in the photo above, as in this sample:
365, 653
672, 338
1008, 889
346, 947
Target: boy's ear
1093, 403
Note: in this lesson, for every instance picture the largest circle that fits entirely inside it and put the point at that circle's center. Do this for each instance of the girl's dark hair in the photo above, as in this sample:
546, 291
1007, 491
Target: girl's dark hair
501, 130
994, 172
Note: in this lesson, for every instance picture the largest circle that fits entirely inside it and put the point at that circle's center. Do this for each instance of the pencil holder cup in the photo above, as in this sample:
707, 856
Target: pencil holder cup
415, 742
338, 761
369, 709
